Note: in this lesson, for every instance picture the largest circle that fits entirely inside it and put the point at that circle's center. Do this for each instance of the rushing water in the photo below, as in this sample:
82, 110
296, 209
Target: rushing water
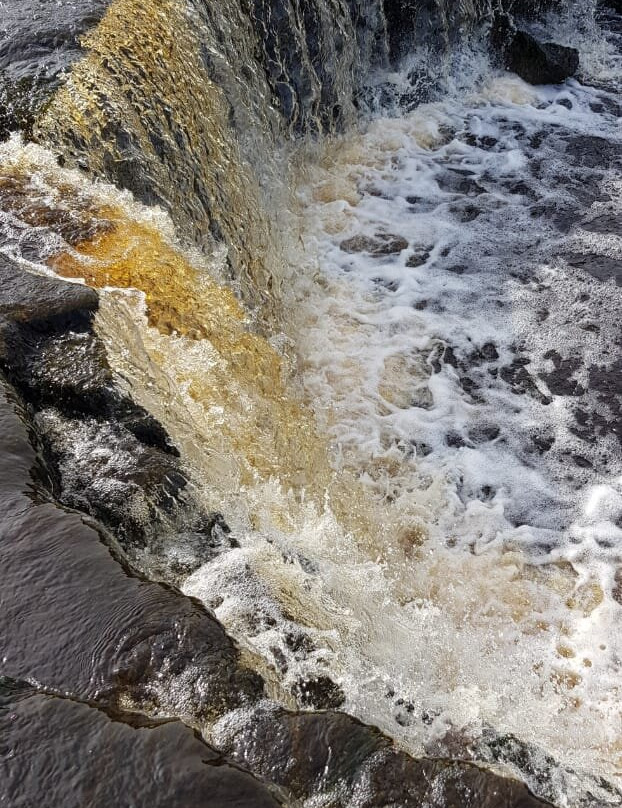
400, 384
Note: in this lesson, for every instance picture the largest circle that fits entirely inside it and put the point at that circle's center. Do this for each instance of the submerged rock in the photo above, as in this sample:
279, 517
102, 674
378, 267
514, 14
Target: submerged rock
540, 62
78, 755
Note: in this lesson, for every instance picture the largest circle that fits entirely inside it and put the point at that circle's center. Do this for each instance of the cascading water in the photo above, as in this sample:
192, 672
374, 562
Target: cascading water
367, 283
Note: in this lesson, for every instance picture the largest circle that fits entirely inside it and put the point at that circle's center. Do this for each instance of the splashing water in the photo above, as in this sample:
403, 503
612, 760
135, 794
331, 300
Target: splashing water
423, 514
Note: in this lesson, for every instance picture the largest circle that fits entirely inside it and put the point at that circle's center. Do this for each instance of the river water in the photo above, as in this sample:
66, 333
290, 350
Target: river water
413, 429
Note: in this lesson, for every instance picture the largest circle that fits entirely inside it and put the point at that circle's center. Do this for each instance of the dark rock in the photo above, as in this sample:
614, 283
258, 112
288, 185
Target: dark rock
606, 223
601, 267
545, 775
109, 458
380, 244
319, 693
38, 42
561, 381
78, 755
297, 751
457, 182
455, 440
581, 461
614, 5
589, 151
484, 433
606, 105
540, 62
76, 622
300, 644
521, 381
418, 259
28, 298
521, 188
395, 779
543, 443
502, 31
73, 216
489, 352
466, 213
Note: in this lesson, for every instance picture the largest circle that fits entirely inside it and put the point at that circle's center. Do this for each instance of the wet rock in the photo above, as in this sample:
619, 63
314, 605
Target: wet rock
486, 142
606, 381
29, 298
296, 751
108, 473
455, 440
521, 188
418, 258
601, 267
319, 693
521, 381
108, 456
457, 181
615, 5
38, 42
606, 223
606, 105
545, 775
74, 620
300, 644
70, 215
543, 443
405, 713
466, 213
381, 244
589, 151
78, 755
561, 381
540, 62
484, 433
489, 352
395, 779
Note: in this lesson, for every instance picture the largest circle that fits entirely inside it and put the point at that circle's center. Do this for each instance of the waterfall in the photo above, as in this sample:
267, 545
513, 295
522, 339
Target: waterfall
321, 395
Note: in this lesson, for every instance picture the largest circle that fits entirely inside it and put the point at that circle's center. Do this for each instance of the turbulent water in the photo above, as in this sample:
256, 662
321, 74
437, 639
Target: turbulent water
388, 354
